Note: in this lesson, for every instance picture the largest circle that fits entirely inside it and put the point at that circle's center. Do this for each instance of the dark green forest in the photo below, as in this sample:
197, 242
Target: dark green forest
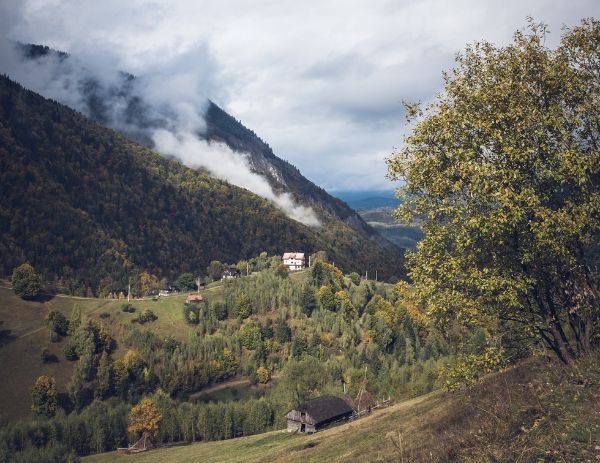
90, 209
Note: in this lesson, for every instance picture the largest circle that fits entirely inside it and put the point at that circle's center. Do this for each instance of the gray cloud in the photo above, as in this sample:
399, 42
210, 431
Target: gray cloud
173, 99
320, 81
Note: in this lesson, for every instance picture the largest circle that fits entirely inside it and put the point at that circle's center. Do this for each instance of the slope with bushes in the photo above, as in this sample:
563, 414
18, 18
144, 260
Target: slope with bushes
536, 411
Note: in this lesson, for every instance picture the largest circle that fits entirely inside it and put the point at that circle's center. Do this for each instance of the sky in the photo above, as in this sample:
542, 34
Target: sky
320, 81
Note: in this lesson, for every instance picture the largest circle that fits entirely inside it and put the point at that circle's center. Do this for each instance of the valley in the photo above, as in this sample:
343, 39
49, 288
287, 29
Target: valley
171, 290
382, 220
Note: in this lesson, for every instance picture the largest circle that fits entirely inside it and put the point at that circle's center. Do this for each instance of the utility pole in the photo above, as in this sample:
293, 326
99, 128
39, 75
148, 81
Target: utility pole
198, 284
375, 275
128, 291
247, 268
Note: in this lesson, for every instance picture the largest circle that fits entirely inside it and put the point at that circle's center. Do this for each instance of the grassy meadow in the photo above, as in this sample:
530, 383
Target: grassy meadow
24, 334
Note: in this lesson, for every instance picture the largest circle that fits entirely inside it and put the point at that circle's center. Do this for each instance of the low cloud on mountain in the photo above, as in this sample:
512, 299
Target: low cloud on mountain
321, 82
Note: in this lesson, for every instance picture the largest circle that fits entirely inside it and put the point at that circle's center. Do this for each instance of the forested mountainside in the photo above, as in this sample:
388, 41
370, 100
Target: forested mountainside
220, 127
282, 175
88, 207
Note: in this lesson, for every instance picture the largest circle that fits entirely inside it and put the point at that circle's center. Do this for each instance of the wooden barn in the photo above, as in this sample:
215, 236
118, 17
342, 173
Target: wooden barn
317, 413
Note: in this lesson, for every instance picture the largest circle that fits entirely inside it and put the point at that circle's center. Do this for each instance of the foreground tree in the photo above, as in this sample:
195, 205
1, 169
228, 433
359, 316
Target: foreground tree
503, 170
26, 282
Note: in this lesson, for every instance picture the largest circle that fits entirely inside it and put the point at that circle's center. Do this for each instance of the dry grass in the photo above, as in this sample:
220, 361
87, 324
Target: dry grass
536, 412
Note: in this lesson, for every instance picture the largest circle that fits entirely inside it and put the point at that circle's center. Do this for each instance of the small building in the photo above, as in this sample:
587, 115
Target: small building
294, 261
230, 273
317, 413
167, 290
194, 298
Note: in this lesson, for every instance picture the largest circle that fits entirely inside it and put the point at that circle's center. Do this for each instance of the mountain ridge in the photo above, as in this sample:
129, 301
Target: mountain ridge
88, 207
282, 176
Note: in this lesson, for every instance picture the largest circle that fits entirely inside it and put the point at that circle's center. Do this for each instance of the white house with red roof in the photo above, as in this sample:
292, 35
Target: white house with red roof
294, 261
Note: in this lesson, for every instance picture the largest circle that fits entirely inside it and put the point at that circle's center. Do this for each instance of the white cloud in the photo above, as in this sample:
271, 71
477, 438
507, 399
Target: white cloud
223, 163
321, 82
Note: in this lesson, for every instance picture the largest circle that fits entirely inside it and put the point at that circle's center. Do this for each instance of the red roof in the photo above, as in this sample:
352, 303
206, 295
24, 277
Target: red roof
194, 298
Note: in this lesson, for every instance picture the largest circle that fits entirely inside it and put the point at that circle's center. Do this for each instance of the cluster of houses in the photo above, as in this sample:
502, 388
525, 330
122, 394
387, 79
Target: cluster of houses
293, 261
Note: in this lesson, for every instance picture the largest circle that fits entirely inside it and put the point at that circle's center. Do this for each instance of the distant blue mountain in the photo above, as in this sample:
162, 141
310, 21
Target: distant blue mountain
368, 199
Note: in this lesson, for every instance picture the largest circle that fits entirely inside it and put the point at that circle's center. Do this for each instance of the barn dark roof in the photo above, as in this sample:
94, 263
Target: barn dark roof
325, 408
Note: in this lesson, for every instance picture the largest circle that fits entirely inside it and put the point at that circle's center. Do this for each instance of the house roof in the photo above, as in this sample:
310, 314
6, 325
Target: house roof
293, 255
325, 408
194, 297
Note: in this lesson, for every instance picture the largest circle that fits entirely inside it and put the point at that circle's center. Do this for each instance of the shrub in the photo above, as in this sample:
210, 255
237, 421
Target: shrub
185, 282
249, 335
128, 308
354, 278
70, 350
219, 309
263, 375
281, 271
47, 357
242, 306
146, 316
191, 313
57, 322
26, 282
104, 315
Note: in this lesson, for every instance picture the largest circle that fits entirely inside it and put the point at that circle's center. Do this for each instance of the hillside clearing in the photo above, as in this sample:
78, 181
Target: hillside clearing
23, 334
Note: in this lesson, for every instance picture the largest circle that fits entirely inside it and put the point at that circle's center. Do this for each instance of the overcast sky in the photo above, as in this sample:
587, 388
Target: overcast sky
320, 81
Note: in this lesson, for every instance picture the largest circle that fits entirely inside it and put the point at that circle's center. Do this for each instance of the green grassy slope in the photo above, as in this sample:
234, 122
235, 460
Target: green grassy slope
538, 411
25, 334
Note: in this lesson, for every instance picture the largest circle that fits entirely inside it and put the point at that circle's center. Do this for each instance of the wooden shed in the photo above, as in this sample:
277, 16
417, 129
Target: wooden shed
317, 413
